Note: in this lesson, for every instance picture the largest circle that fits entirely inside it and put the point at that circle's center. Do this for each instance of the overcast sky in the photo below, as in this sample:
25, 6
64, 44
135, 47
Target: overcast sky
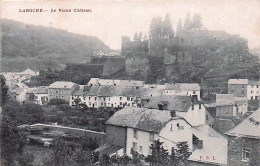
110, 20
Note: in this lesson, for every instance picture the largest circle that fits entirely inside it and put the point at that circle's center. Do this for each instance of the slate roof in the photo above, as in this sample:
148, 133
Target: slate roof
250, 127
141, 118
214, 144
108, 149
176, 103
182, 86
39, 90
62, 84
238, 81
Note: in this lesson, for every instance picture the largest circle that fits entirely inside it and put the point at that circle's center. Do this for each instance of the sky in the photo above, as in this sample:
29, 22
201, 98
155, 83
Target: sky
109, 20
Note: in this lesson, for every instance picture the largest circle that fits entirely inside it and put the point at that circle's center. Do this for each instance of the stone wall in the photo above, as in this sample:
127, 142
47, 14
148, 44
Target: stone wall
235, 146
116, 135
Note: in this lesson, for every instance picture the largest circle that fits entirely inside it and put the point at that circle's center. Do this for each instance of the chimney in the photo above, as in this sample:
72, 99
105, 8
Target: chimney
173, 114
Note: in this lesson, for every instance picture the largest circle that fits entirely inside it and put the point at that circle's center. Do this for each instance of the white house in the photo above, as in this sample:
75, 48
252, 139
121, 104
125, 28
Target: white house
182, 89
38, 95
142, 126
107, 96
244, 88
137, 128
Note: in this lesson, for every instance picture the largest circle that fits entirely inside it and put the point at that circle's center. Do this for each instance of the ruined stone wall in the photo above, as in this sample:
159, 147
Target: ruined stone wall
137, 63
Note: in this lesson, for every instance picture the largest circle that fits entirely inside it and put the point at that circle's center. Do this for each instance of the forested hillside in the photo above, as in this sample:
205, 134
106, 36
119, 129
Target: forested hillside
28, 46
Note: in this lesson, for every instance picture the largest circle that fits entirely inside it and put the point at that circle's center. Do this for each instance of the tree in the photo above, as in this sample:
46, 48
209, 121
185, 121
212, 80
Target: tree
159, 155
156, 27
12, 141
3, 91
34, 113
135, 36
183, 152
31, 97
62, 153
173, 158
140, 37
196, 21
179, 26
167, 27
187, 22
77, 101
57, 102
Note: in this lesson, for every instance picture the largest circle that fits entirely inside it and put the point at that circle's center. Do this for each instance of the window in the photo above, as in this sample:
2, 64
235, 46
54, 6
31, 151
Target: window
134, 146
256, 97
62, 97
257, 86
251, 91
90, 103
135, 133
199, 106
57, 91
141, 149
72, 98
245, 154
121, 98
128, 98
109, 99
121, 103
192, 107
252, 97
194, 92
151, 138
89, 98
84, 98
132, 99
178, 125
95, 98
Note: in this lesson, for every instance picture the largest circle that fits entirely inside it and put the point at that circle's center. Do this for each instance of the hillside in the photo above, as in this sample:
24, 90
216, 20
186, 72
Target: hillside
44, 45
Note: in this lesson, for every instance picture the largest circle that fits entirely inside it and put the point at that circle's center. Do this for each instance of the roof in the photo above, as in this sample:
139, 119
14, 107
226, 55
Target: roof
211, 146
253, 82
176, 103
225, 99
103, 91
238, 81
141, 118
108, 149
39, 90
111, 82
62, 84
250, 127
182, 86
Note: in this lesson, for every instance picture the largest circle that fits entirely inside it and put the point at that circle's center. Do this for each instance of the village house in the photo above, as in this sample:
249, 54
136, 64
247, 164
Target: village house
182, 89
107, 96
244, 142
16, 77
38, 95
61, 90
110, 82
244, 88
227, 105
187, 107
136, 128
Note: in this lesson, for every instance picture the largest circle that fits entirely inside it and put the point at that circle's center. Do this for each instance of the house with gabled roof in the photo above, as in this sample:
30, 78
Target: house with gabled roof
244, 142
137, 128
244, 88
133, 128
187, 107
38, 95
62, 90
182, 89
